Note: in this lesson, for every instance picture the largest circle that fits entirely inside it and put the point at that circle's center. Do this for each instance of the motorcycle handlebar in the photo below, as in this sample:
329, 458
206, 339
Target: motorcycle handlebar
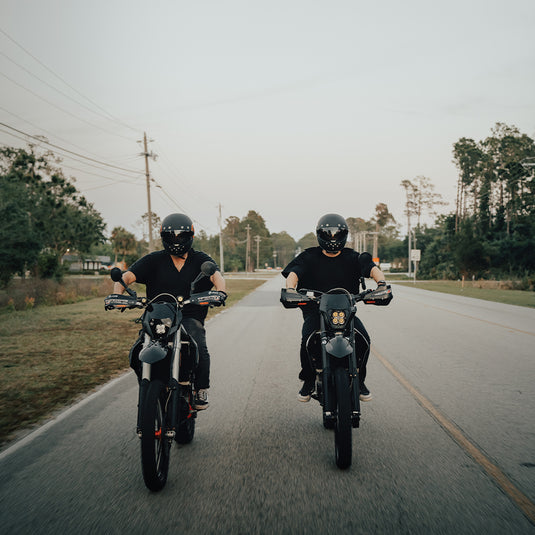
293, 299
122, 302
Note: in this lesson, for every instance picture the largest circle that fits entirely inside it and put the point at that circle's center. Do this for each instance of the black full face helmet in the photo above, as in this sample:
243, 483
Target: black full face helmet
332, 231
177, 234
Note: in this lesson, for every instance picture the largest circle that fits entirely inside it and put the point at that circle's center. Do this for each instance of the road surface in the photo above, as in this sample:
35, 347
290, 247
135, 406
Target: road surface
446, 446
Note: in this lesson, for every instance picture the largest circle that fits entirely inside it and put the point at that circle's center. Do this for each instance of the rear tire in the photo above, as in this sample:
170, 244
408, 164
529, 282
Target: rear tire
186, 426
343, 427
155, 446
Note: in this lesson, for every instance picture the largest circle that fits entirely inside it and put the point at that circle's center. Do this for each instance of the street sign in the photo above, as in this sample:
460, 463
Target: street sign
415, 255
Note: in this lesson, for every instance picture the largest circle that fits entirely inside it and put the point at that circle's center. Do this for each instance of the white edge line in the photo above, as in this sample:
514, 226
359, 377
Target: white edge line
64, 414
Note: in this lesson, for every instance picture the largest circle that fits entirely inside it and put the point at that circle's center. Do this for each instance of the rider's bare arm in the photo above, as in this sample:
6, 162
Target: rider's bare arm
377, 275
219, 282
292, 280
128, 278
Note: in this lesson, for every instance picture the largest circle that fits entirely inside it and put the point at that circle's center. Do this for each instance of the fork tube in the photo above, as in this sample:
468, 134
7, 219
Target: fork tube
145, 368
353, 371
175, 365
173, 382
327, 408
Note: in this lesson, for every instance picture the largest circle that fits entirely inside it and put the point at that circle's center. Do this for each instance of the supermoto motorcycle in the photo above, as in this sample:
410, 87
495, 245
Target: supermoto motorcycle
333, 354
167, 358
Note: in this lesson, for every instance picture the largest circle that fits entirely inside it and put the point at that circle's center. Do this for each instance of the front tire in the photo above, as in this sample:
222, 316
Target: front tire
155, 446
343, 427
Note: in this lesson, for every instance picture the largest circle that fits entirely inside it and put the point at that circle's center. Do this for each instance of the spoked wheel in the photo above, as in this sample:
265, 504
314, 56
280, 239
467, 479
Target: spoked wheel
154, 443
343, 428
186, 426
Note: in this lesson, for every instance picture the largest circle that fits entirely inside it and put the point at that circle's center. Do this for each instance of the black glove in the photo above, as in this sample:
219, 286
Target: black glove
223, 297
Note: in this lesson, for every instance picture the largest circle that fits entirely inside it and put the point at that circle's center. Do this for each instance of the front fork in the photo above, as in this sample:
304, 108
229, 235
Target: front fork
329, 404
354, 382
172, 402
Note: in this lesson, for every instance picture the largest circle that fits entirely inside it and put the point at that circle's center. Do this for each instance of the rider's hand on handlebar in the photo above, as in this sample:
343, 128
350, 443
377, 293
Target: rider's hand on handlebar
222, 298
381, 285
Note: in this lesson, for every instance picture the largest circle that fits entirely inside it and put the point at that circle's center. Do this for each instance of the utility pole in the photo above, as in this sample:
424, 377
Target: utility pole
257, 240
147, 176
221, 261
248, 228
410, 244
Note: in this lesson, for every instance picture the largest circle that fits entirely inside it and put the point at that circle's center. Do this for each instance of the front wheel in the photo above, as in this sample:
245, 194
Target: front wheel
343, 428
154, 444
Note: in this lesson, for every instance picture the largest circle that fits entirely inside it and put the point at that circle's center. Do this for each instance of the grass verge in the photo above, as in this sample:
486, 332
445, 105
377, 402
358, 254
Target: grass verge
49, 356
510, 297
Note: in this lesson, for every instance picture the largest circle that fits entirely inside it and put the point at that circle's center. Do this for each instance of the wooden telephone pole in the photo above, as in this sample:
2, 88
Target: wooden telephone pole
146, 154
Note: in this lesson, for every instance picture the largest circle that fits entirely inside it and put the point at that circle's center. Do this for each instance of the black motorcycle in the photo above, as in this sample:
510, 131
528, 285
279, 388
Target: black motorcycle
165, 358
333, 354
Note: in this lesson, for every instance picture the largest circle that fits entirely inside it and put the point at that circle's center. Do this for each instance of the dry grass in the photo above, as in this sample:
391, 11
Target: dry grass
50, 355
487, 290
23, 294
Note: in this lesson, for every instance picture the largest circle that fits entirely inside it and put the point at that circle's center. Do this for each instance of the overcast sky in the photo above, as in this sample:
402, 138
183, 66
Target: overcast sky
291, 108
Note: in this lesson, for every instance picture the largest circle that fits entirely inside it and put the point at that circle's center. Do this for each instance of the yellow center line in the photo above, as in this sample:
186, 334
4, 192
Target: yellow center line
516, 495
473, 317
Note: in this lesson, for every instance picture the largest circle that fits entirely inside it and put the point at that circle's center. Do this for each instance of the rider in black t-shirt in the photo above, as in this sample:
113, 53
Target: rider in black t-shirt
331, 265
172, 271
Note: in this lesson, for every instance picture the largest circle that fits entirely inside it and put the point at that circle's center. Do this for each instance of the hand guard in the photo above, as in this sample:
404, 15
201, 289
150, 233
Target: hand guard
120, 302
291, 298
381, 296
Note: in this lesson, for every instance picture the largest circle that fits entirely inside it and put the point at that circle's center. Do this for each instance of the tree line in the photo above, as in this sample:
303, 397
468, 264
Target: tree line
490, 234
43, 215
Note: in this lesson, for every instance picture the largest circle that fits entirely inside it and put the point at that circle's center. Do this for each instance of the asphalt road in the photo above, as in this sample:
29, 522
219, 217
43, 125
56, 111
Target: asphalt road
463, 377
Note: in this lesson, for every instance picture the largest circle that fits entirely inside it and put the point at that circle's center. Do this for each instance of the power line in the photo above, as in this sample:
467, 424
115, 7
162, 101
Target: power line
63, 110
69, 151
110, 116
53, 87
47, 131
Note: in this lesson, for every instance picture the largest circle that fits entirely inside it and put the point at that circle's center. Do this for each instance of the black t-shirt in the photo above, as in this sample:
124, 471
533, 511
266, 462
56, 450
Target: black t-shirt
316, 271
159, 274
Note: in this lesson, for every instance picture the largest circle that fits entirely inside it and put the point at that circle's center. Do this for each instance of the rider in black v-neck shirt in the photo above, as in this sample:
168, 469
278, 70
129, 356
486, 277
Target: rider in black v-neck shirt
160, 275
172, 271
331, 265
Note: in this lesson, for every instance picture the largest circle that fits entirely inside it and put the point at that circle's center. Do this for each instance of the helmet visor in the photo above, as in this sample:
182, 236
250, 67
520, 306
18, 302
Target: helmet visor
177, 237
332, 233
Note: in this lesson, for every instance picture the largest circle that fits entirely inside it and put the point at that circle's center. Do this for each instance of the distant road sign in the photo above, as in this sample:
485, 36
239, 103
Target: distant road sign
415, 255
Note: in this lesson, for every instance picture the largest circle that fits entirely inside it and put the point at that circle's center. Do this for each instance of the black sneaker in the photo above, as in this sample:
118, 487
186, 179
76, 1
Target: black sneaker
365, 394
200, 401
306, 390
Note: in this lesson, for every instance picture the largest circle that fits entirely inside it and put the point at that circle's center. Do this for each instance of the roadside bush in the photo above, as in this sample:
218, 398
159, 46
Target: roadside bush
39, 292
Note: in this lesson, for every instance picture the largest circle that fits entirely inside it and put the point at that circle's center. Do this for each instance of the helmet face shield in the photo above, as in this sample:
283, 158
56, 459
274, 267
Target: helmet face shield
177, 234
332, 232
177, 237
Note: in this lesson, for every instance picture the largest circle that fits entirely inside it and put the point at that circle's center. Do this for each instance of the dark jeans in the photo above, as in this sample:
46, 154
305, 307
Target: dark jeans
311, 324
196, 330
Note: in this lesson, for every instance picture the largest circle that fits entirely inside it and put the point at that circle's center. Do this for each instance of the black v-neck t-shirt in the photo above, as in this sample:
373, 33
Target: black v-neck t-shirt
159, 274
316, 271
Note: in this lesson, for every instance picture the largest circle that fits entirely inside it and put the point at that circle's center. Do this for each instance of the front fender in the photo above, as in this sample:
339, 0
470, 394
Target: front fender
338, 346
154, 352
